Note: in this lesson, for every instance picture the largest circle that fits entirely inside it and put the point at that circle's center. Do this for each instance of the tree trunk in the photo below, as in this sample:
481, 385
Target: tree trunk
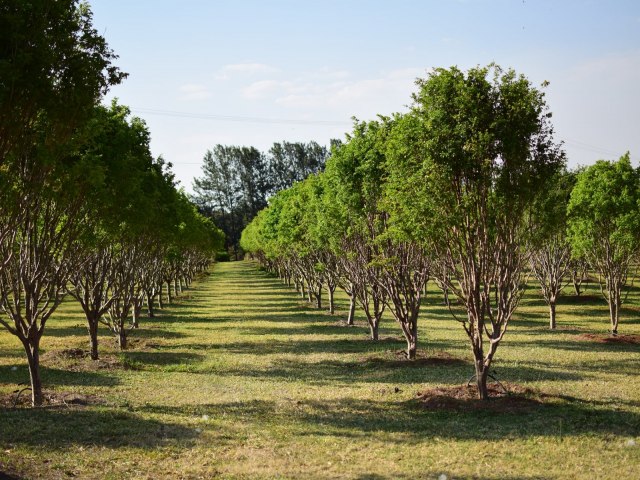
552, 315
373, 327
33, 356
412, 348
614, 311
332, 306
352, 309
122, 339
176, 286
318, 296
160, 301
411, 336
168, 291
482, 373
150, 303
92, 326
137, 308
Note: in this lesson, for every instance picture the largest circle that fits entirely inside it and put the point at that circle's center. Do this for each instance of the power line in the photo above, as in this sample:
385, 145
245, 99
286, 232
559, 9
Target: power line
592, 148
236, 118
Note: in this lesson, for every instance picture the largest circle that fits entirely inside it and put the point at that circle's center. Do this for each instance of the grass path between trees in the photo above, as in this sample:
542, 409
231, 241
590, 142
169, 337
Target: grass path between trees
241, 379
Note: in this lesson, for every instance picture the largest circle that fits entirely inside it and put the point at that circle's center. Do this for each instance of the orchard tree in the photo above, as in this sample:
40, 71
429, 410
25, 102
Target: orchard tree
354, 176
604, 226
550, 258
50, 222
477, 146
117, 148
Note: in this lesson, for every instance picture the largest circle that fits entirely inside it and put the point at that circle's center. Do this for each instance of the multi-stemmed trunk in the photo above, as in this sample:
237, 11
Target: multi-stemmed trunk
32, 349
36, 273
550, 264
404, 280
613, 274
615, 302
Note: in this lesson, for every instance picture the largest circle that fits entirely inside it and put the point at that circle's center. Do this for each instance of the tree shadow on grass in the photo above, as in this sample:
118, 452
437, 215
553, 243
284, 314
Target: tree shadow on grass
580, 345
374, 369
356, 418
158, 360
54, 376
62, 427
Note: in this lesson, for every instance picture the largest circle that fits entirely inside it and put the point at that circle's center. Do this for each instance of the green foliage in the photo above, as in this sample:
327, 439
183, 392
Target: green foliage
53, 64
604, 211
547, 217
474, 144
237, 181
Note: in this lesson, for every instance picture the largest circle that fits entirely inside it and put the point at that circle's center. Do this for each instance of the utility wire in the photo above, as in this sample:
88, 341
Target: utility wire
337, 123
235, 118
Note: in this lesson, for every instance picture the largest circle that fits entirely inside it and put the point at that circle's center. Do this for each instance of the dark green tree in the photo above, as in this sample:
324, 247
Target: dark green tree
53, 63
291, 162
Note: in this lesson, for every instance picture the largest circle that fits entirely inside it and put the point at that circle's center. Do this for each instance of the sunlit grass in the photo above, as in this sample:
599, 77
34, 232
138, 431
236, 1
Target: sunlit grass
242, 379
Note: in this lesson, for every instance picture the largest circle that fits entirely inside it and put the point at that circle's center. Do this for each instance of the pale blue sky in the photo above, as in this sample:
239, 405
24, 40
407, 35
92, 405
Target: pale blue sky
208, 72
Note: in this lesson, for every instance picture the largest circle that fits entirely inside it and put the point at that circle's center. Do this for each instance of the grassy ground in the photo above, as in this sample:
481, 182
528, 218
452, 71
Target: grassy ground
240, 379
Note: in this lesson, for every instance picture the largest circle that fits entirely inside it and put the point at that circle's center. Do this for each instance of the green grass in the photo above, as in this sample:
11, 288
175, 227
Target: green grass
241, 379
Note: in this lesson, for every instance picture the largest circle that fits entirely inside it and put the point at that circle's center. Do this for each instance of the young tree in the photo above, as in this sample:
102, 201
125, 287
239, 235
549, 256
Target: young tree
474, 151
604, 226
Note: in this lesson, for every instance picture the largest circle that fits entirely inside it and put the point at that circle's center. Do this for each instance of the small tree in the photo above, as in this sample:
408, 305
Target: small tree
604, 226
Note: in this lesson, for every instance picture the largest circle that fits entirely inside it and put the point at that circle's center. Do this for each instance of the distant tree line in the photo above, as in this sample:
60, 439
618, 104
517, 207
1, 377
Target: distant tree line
469, 190
236, 181
85, 209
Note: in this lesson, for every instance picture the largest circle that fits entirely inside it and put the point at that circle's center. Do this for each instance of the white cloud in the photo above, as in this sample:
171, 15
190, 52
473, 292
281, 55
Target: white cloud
336, 90
193, 91
244, 69
264, 88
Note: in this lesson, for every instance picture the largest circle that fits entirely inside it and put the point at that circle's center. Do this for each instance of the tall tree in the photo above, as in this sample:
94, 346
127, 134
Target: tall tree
54, 67
291, 162
233, 188
604, 226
